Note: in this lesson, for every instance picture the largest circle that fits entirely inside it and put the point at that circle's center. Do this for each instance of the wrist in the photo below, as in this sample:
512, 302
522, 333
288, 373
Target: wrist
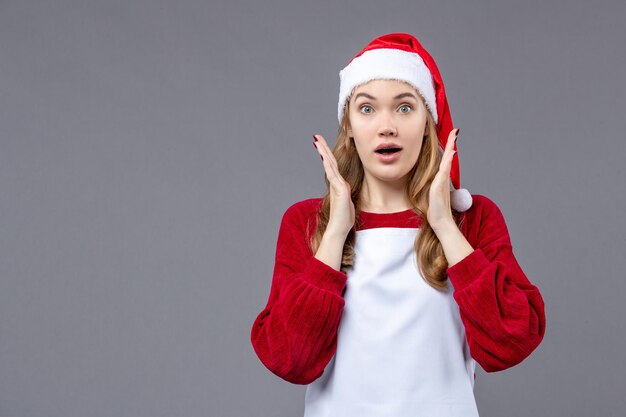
330, 250
336, 232
455, 245
445, 229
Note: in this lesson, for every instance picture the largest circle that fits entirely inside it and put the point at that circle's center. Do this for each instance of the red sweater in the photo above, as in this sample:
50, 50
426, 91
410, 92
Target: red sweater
295, 335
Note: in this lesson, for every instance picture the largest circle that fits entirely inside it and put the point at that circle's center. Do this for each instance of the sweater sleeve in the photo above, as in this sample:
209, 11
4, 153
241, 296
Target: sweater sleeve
295, 335
502, 311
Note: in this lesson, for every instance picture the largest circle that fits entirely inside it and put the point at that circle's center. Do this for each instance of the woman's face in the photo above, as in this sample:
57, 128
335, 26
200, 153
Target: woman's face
387, 111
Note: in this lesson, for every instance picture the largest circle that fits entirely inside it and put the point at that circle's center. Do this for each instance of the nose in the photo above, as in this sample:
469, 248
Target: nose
387, 125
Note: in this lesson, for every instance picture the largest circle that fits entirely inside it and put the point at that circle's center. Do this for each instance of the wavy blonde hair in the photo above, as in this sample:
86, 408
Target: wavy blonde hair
430, 257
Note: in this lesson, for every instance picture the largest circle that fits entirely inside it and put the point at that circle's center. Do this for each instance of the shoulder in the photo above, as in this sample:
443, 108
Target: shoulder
302, 211
304, 207
300, 218
483, 221
482, 205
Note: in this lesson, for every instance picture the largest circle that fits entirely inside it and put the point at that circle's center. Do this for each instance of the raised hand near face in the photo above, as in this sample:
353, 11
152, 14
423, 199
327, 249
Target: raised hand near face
342, 212
439, 210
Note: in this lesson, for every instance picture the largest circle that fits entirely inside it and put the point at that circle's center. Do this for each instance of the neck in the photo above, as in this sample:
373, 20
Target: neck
379, 196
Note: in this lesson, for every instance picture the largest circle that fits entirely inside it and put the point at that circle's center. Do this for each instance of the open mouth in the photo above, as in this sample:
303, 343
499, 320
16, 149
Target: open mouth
388, 151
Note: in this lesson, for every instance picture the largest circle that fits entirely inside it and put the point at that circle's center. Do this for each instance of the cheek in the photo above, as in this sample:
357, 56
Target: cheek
415, 153
359, 149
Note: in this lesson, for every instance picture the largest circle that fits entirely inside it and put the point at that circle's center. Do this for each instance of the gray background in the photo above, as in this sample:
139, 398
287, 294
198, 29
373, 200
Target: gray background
148, 150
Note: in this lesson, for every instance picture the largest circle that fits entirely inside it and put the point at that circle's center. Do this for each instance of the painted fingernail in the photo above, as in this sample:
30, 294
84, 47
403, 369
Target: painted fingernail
314, 138
314, 145
458, 129
322, 157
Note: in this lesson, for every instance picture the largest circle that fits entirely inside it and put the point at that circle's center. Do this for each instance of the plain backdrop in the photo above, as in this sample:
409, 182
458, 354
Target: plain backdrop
148, 150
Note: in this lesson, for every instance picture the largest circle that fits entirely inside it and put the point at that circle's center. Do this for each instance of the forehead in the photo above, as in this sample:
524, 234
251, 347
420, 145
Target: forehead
383, 88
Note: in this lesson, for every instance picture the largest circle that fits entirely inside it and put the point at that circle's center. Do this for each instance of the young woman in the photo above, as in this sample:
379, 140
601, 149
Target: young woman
387, 291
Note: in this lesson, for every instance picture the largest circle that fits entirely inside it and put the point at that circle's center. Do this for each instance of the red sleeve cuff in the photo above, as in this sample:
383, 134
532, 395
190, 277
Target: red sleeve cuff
324, 276
464, 272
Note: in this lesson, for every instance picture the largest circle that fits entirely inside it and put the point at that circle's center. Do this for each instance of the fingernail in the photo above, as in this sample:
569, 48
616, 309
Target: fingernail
314, 138
314, 145
458, 129
322, 157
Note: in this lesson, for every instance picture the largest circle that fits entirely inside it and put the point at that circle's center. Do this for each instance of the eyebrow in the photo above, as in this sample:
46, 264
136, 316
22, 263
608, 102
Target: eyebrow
399, 96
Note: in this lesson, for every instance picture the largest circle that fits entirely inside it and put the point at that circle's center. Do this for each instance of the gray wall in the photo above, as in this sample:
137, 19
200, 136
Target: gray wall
148, 150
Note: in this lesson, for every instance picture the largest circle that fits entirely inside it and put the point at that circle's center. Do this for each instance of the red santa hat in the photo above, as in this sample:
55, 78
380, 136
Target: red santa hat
399, 56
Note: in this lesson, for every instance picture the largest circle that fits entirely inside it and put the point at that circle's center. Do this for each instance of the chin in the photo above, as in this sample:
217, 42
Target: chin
391, 177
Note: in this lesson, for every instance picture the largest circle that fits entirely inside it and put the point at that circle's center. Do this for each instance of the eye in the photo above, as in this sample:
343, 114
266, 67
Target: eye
365, 107
406, 106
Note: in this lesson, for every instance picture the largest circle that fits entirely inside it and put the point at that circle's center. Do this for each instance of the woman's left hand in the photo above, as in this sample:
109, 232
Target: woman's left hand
439, 210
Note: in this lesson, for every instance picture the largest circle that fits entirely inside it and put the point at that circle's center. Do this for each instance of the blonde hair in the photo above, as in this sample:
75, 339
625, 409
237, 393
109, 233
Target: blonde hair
430, 257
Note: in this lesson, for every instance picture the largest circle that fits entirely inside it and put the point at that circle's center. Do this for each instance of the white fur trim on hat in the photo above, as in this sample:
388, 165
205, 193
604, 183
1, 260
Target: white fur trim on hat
387, 64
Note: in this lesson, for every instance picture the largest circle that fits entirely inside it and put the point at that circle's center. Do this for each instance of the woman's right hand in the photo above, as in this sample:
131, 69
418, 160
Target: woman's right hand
342, 213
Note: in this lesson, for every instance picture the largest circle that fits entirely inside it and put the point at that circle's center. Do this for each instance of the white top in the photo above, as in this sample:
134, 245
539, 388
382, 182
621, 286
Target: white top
401, 347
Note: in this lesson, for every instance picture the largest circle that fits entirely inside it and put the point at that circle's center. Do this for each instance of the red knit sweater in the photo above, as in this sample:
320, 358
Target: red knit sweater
295, 335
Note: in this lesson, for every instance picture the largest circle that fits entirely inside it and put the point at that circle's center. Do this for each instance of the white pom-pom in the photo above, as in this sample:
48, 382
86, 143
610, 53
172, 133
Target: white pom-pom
461, 199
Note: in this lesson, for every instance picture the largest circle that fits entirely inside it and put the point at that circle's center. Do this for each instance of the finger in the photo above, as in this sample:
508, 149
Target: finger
449, 151
330, 165
446, 164
334, 178
452, 140
319, 145
328, 154
442, 178
443, 175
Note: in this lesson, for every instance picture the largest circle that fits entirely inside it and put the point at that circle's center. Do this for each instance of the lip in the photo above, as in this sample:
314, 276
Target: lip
388, 145
388, 157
